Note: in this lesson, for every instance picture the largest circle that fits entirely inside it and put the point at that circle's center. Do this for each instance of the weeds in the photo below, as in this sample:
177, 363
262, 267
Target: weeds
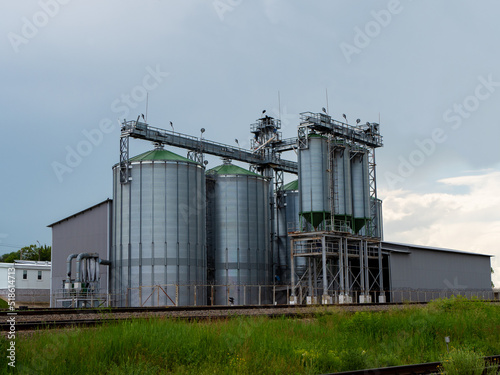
332, 342
462, 362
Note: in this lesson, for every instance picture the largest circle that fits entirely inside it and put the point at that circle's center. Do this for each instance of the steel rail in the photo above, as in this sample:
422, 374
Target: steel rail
417, 369
62, 311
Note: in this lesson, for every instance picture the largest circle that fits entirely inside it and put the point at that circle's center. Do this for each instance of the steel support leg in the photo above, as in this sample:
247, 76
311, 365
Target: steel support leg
325, 299
381, 297
362, 271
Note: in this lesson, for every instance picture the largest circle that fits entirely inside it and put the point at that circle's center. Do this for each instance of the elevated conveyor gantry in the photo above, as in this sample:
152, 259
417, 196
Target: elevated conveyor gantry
141, 130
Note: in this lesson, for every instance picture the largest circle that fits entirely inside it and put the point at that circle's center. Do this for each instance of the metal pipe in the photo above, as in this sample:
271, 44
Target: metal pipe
366, 268
347, 284
68, 264
315, 277
79, 263
309, 276
362, 266
380, 269
292, 266
325, 276
104, 262
341, 265
262, 145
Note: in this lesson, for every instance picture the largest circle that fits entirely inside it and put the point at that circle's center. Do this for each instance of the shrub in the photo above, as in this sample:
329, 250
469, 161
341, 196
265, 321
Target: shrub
463, 362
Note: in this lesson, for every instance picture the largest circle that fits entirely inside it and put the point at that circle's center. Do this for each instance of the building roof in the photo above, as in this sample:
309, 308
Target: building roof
294, 185
231, 169
163, 155
407, 248
80, 212
28, 264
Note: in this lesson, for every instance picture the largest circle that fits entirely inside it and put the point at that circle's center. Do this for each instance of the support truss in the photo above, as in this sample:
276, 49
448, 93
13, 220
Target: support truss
340, 268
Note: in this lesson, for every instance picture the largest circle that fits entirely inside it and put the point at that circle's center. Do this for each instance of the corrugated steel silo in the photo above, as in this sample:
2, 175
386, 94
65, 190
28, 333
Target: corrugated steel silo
360, 189
288, 214
159, 231
376, 225
241, 239
342, 183
313, 181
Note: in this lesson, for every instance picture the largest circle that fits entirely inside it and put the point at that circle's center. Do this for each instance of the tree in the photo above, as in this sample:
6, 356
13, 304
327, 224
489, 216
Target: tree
31, 252
46, 252
9, 257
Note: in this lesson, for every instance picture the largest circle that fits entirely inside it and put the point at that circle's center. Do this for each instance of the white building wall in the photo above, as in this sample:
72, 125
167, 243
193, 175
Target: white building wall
29, 289
4, 280
32, 281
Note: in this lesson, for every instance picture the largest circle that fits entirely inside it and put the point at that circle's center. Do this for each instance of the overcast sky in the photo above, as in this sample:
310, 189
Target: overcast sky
429, 70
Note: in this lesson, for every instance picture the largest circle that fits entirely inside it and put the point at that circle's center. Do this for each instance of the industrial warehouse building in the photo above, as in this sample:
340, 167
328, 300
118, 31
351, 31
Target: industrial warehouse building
83, 232
178, 234
420, 273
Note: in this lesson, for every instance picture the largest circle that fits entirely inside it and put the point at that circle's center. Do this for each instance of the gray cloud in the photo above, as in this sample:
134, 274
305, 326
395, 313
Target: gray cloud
222, 74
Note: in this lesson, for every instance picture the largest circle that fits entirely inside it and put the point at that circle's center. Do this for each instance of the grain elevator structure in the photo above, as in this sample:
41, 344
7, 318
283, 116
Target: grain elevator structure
239, 229
272, 231
338, 235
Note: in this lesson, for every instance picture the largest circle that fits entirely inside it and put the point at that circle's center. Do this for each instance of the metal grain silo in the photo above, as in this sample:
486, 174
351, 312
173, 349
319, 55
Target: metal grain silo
241, 239
360, 189
159, 232
287, 215
376, 225
342, 183
313, 181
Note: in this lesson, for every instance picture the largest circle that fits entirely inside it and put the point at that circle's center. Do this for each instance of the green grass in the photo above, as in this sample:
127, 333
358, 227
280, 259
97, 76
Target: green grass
3, 304
463, 361
333, 341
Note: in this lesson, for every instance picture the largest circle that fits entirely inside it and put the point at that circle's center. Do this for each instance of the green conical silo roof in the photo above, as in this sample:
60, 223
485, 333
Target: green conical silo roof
159, 155
231, 169
315, 135
294, 185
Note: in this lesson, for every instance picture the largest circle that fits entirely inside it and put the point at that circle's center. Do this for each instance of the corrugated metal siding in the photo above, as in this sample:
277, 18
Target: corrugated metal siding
86, 232
342, 182
289, 213
360, 187
433, 270
160, 233
241, 235
313, 178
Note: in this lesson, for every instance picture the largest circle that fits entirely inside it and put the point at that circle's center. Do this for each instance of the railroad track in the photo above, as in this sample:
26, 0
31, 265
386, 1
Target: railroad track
117, 310
28, 320
62, 318
34, 326
114, 310
63, 311
418, 369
